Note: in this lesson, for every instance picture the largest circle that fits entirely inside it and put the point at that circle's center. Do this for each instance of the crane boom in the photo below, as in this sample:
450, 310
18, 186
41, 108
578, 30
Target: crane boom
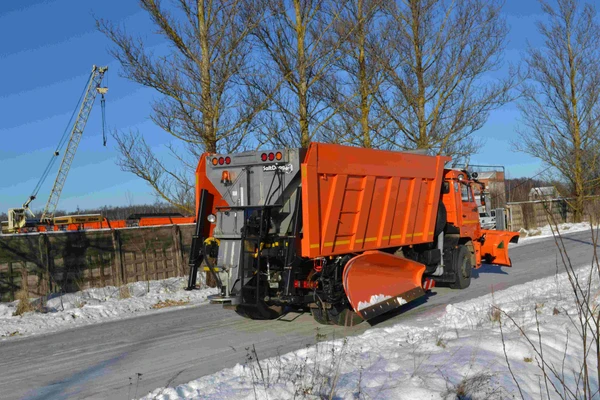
92, 89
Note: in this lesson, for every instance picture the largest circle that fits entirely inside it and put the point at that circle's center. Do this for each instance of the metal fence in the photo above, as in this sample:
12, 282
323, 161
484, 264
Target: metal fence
44, 263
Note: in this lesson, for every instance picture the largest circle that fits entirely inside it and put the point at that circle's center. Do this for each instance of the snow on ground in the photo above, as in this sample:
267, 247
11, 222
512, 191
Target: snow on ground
456, 352
99, 305
546, 231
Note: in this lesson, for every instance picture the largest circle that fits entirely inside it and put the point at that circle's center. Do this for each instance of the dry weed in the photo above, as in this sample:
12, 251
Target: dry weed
79, 303
170, 303
495, 314
124, 292
24, 304
555, 311
480, 385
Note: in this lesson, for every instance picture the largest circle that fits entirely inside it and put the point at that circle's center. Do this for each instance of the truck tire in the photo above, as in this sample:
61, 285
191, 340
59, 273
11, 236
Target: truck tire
320, 316
346, 317
331, 316
260, 312
462, 268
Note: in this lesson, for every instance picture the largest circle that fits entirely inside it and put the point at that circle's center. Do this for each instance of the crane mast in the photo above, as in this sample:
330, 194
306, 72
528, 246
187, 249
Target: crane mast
92, 89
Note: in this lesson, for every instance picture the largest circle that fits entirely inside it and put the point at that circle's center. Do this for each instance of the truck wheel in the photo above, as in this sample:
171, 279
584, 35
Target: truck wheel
260, 311
346, 317
462, 268
331, 316
321, 316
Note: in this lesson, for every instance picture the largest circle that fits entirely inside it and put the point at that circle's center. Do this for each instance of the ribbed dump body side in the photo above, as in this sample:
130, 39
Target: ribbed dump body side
356, 199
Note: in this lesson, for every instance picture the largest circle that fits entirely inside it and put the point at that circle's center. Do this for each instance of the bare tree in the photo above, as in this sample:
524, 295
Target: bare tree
439, 87
294, 63
202, 104
561, 101
359, 75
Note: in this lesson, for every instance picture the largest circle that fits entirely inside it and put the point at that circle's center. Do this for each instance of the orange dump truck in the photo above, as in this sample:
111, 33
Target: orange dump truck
350, 233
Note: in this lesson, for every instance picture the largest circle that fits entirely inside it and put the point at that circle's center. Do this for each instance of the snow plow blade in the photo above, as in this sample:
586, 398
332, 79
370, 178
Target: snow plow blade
494, 249
377, 282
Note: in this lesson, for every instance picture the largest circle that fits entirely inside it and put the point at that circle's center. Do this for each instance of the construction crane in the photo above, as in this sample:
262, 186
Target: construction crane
17, 217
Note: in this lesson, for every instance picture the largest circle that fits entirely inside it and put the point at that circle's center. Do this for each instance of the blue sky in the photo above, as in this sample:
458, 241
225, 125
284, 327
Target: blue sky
46, 54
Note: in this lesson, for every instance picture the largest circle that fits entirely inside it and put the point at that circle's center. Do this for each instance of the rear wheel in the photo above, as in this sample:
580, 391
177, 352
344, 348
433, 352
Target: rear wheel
260, 311
346, 317
462, 268
320, 315
333, 316
254, 308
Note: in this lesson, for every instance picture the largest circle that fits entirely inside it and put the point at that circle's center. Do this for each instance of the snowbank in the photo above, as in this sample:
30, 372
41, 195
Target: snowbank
99, 305
546, 231
452, 352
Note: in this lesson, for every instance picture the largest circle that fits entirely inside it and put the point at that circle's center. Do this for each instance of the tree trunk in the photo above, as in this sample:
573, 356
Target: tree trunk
208, 112
302, 75
362, 76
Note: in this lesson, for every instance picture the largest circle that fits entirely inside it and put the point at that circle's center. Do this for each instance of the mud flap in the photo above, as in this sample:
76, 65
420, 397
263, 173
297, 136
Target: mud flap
495, 247
377, 282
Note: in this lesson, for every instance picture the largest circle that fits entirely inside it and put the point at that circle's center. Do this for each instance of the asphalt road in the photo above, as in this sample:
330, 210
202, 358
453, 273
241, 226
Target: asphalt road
103, 361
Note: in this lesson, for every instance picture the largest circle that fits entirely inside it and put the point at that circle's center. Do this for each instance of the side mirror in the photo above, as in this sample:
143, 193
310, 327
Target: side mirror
445, 187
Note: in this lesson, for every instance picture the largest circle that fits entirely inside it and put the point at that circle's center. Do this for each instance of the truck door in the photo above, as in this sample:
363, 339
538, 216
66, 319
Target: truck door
470, 215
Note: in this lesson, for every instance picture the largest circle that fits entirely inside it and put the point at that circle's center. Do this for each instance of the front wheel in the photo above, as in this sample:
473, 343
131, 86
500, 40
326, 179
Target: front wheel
462, 268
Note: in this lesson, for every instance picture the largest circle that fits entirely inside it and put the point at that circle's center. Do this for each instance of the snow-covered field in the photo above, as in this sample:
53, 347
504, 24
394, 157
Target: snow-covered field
546, 231
99, 305
453, 353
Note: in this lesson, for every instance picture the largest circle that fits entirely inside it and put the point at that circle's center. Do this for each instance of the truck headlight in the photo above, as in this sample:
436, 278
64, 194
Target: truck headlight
211, 218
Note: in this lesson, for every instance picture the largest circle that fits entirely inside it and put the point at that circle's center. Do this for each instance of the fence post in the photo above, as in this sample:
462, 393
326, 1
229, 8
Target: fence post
44, 245
11, 281
178, 250
118, 256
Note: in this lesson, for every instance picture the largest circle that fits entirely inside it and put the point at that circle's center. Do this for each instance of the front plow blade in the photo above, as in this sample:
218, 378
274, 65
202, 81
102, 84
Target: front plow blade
377, 282
495, 247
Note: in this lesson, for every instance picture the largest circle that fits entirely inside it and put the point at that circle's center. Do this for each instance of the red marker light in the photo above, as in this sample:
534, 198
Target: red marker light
263, 156
271, 156
227, 160
221, 161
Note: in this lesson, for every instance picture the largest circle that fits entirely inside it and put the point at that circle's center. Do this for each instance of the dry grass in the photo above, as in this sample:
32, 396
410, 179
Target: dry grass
481, 385
79, 303
495, 314
24, 304
124, 292
170, 303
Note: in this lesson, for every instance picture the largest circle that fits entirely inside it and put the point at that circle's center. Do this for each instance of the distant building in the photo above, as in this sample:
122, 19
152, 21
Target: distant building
543, 193
495, 188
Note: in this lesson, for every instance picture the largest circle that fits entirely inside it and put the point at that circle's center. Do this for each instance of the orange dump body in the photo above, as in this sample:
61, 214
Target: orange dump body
356, 199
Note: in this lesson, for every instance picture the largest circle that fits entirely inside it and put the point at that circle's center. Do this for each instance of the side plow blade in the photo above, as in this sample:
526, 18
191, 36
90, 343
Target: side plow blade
495, 247
377, 282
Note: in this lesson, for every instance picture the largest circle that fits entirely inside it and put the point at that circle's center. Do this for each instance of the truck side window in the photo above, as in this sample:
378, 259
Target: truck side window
464, 193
